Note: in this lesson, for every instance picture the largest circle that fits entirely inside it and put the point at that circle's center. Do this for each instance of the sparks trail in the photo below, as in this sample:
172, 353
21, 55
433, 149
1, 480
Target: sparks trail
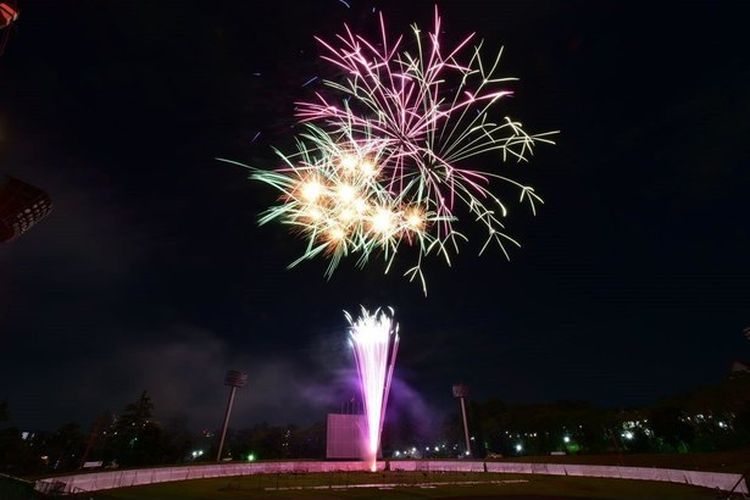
388, 162
374, 340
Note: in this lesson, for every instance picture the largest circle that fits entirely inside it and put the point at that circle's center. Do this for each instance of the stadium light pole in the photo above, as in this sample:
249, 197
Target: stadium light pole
234, 379
461, 392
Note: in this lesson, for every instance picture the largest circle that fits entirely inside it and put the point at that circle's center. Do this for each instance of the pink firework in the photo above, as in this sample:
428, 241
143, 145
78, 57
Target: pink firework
374, 340
431, 111
388, 158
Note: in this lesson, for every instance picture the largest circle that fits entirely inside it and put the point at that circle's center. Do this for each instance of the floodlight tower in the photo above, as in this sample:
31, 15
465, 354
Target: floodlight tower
234, 379
461, 392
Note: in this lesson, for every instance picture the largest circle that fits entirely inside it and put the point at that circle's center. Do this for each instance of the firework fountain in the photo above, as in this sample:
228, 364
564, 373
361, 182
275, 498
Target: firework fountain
374, 340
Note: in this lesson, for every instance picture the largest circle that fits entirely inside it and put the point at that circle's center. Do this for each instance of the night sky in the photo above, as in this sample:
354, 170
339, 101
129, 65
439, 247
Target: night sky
633, 282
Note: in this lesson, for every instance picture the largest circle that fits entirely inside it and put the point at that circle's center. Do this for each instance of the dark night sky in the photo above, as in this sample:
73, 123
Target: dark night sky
633, 282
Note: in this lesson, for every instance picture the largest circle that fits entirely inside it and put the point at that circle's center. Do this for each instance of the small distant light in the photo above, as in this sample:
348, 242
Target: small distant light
336, 234
413, 450
722, 425
415, 220
360, 205
566, 439
367, 167
346, 193
437, 449
349, 162
466, 453
627, 435
251, 457
397, 453
519, 447
311, 191
382, 221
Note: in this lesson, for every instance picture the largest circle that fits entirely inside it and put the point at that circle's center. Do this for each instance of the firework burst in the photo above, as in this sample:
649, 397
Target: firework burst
386, 158
331, 191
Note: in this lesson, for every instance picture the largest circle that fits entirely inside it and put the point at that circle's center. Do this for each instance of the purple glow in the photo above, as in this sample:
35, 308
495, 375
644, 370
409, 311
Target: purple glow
374, 339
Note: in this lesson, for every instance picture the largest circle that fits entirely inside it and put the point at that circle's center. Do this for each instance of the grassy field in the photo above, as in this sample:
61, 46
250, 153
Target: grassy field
402, 486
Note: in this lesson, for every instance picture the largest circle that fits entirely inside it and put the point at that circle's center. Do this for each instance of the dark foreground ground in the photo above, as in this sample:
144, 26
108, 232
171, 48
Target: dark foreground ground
402, 486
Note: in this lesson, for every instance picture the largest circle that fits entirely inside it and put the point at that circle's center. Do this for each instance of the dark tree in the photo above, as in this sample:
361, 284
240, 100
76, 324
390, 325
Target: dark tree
669, 425
136, 437
65, 446
308, 442
176, 440
16, 456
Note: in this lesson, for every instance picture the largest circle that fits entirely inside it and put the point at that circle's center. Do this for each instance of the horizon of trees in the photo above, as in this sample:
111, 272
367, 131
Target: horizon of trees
711, 418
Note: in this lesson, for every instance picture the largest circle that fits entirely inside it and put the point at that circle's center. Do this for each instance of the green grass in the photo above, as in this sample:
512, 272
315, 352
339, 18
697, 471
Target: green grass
539, 487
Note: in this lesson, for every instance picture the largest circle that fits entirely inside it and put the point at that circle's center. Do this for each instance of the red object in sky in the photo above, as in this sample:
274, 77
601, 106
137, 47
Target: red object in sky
8, 15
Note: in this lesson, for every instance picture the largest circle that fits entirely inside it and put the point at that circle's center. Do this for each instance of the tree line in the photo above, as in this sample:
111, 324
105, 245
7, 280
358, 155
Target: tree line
714, 418
135, 438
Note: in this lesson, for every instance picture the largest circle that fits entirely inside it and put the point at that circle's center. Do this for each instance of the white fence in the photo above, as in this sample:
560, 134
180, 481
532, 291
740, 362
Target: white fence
96, 481
437, 465
721, 480
122, 479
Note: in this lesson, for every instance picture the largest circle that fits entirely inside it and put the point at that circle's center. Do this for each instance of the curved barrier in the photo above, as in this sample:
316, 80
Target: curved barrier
721, 480
96, 481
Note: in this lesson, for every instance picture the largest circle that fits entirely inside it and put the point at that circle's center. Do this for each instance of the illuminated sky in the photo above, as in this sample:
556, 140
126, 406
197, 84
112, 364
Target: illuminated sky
151, 273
